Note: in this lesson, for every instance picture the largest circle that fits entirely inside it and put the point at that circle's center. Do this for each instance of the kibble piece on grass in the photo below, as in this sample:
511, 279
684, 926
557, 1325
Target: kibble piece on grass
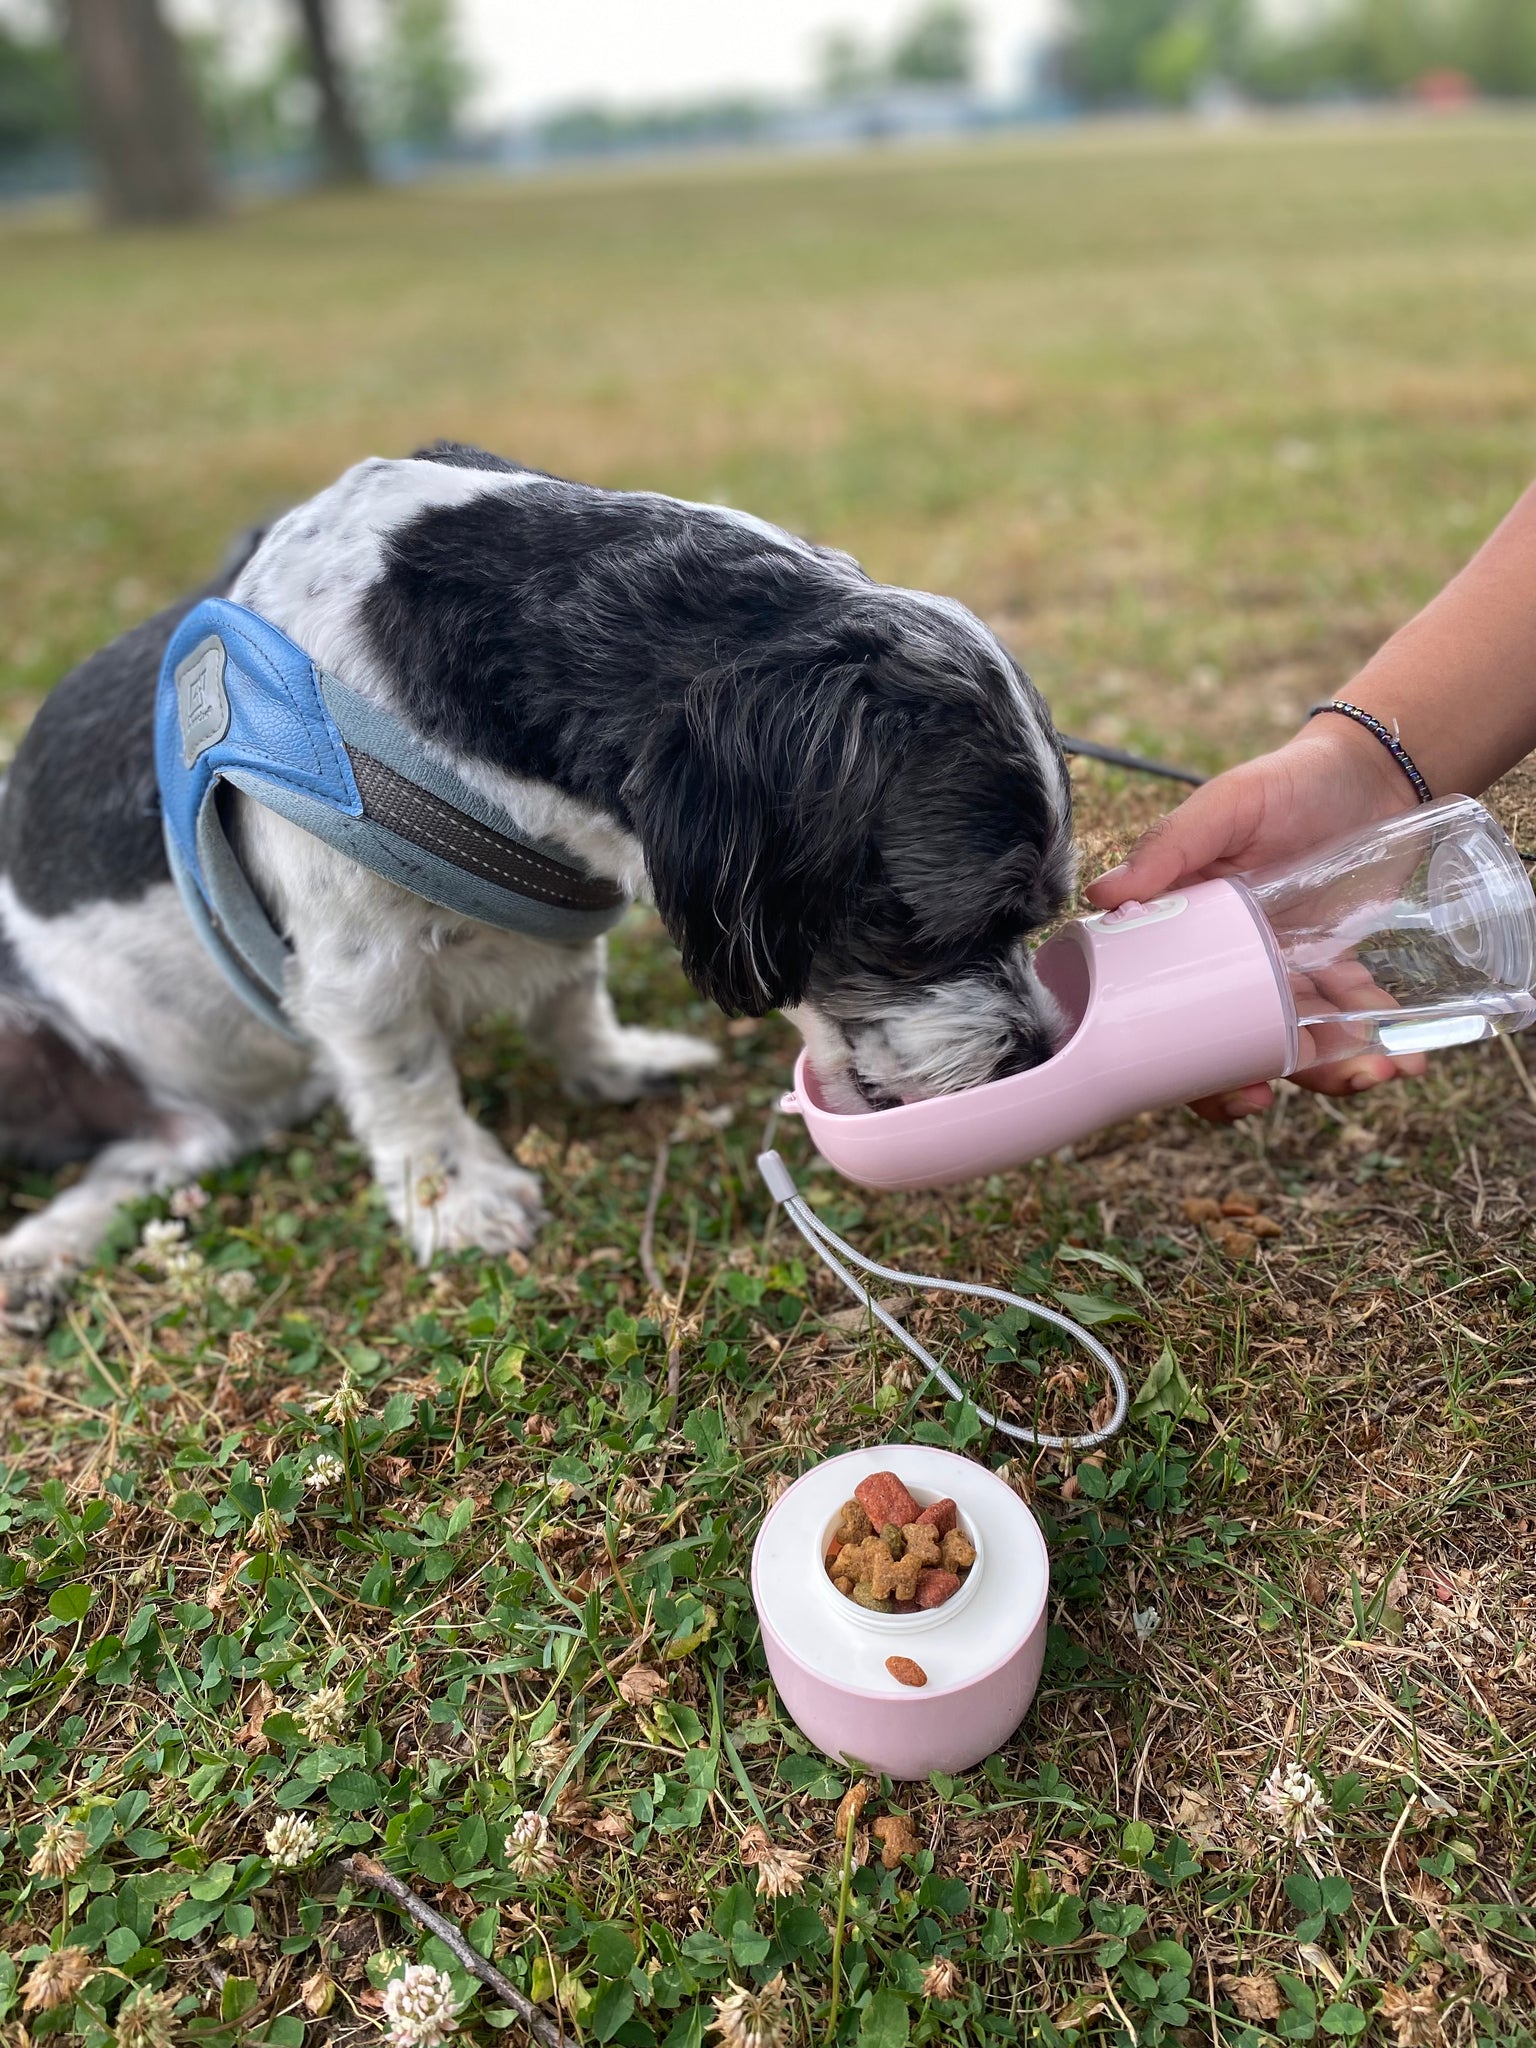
1201, 1209
1264, 1226
884, 1499
1238, 1205
1237, 1244
943, 1516
853, 1524
935, 1587
957, 1553
893, 1831
905, 1672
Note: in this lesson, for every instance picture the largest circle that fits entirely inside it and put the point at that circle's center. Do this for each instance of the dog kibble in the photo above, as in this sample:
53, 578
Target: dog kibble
935, 1587
884, 1499
905, 1672
1201, 1209
866, 1596
892, 1567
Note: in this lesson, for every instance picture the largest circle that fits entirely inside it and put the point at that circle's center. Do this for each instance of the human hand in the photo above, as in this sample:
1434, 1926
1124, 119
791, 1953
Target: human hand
1331, 778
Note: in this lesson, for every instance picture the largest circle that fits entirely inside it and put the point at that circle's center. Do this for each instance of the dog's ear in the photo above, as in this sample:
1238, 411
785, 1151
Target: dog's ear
754, 802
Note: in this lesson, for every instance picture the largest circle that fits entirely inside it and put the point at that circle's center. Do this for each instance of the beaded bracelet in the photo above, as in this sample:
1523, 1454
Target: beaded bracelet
1389, 740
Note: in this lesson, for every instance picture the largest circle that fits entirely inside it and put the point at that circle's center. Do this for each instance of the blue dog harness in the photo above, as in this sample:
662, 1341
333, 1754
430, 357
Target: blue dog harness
240, 705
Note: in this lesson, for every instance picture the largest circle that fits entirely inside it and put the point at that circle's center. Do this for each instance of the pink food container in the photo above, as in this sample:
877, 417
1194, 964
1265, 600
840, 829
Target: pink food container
981, 1651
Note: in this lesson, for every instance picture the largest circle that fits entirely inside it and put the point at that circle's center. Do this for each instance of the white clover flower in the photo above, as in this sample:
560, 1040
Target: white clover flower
943, 1978
235, 1287
147, 2020
780, 1872
324, 1472
747, 2018
183, 1264
530, 1850
547, 1758
420, 2010
291, 1841
344, 1404
323, 1716
188, 1201
61, 1849
1294, 1802
160, 1237
57, 1979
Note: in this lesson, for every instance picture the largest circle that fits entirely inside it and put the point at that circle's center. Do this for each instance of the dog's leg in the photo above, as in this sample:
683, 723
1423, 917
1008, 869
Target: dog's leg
602, 1060
40, 1258
448, 1183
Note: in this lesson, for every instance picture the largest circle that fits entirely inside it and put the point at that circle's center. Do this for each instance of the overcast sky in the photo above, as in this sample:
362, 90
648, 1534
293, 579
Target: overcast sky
542, 53
531, 55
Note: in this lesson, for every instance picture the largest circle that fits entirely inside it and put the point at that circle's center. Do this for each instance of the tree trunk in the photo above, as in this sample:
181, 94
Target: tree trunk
343, 154
142, 123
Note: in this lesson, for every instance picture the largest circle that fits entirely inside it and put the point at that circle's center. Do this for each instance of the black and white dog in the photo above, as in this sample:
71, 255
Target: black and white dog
846, 801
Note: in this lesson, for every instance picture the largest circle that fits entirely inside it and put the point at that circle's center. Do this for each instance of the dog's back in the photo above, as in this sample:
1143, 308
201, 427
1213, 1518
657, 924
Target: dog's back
80, 822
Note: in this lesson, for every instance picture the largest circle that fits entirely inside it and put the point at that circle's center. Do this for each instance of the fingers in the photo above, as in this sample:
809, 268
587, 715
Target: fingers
1215, 823
1343, 1077
1367, 1070
1239, 1102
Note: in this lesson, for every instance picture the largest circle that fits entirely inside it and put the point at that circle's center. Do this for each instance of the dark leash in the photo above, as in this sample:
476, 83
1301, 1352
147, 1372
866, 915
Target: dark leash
1116, 757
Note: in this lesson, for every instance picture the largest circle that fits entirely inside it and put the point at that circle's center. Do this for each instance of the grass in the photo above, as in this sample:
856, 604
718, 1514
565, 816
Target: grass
1195, 420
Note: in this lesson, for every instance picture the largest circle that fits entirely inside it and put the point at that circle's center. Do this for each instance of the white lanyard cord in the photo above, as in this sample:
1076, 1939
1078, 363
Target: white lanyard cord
824, 1242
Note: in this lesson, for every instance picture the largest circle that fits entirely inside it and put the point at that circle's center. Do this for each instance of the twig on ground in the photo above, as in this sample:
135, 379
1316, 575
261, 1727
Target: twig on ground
652, 1271
1520, 1067
648, 1264
366, 1871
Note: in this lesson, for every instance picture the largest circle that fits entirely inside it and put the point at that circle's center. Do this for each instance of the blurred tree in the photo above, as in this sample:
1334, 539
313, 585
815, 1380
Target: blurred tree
36, 105
846, 66
141, 120
1500, 45
343, 153
1120, 50
423, 79
936, 48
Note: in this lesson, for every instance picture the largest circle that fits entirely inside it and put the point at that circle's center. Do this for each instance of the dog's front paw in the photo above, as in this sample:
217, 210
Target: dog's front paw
480, 1203
638, 1063
32, 1295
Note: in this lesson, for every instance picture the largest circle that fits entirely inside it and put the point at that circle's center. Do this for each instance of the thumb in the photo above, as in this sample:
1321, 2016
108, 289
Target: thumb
1201, 831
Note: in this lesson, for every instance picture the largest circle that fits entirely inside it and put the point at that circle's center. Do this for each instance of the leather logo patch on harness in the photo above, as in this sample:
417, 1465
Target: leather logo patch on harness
202, 698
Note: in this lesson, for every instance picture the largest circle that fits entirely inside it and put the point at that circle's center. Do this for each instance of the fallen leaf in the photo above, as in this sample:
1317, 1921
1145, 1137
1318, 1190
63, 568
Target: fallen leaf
641, 1684
851, 1805
1254, 1997
1413, 2016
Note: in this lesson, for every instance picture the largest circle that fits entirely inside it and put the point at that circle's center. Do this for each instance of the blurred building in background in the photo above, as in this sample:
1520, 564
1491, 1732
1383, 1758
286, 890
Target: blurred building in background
174, 101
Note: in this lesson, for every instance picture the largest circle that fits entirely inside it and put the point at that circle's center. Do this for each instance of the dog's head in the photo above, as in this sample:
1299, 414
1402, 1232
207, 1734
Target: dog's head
861, 825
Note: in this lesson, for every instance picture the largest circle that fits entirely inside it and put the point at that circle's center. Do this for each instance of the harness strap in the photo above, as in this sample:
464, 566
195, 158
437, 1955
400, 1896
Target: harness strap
242, 707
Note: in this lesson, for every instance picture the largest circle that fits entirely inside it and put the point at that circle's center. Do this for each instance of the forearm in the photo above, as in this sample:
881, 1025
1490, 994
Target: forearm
1459, 681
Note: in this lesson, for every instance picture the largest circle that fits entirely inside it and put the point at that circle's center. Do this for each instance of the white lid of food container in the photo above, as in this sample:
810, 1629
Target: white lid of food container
997, 1608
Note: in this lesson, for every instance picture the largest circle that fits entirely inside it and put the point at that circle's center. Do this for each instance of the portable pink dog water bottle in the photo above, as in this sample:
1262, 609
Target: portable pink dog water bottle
1416, 934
